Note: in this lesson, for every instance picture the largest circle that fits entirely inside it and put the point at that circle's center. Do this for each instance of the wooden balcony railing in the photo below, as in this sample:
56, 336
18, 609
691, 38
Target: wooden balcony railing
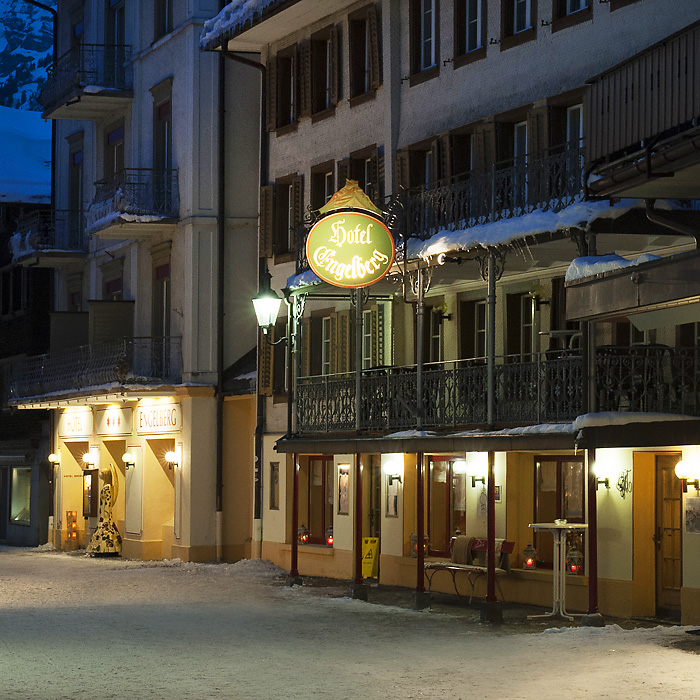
126, 360
143, 194
543, 388
38, 231
90, 68
649, 94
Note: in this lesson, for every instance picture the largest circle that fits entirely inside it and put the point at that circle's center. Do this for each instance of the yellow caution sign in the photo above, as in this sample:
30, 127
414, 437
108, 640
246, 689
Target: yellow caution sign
370, 557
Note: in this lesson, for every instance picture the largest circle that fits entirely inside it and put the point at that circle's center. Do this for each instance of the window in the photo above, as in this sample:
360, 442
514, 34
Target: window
322, 184
364, 167
282, 89
20, 495
163, 191
113, 152
113, 280
425, 51
326, 348
363, 35
517, 22
319, 498
163, 18
559, 493
521, 331
75, 224
281, 215
324, 70
434, 353
472, 329
115, 37
447, 503
160, 306
366, 339
567, 13
274, 485
470, 28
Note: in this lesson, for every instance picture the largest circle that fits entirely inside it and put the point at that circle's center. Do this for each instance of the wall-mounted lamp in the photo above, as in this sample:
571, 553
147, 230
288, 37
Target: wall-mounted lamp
439, 311
537, 293
54, 459
267, 305
600, 478
172, 459
128, 460
394, 471
89, 459
688, 471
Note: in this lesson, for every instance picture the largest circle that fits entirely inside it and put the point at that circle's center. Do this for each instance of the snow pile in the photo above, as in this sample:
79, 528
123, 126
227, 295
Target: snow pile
596, 264
26, 157
303, 279
540, 429
505, 231
590, 420
411, 434
234, 15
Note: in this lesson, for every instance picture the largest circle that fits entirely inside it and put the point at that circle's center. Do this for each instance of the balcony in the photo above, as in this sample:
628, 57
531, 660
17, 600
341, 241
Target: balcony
91, 81
135, 203
141, 361
50, 238
546, 389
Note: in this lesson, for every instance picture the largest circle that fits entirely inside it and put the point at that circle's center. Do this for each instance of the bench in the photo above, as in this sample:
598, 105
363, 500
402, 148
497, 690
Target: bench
469, 557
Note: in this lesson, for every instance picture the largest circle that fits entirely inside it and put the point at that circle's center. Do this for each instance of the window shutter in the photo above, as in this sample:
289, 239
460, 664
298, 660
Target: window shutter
334, 66
375, 69
484, 143
537, 131
460, 27
265, 368
267, 221
460, 145
298, 195
335, 350
305, 363
344, 346
271, 95
467, 327
303, 61
376, 194
343, 172
315, 345
504, 142
377, 332
557, 126
444, 157
402, 166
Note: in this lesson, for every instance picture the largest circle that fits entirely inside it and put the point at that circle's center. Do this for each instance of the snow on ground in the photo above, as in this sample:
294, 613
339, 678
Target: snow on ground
81, 628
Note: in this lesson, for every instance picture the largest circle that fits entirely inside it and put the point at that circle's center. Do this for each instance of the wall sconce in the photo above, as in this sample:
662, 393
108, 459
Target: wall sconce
688, 471
394, 471
329, 537
128, 460
600, 479
529, 557
267, 305
439, 311
477, 468
54, 459
303, 534
89, 459
172, 459
537, 293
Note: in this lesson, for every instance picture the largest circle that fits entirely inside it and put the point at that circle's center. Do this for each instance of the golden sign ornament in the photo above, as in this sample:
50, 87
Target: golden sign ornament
350, 249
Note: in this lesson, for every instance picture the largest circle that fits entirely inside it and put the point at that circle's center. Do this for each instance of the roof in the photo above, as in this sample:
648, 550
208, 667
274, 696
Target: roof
26, 163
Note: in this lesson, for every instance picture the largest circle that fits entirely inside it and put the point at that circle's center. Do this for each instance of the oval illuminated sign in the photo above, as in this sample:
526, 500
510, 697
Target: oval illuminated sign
350, 249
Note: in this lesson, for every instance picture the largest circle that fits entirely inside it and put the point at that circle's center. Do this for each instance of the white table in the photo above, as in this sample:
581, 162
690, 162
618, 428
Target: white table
558, 565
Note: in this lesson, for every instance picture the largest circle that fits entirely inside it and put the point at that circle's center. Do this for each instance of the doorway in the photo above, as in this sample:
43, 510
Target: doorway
668, 535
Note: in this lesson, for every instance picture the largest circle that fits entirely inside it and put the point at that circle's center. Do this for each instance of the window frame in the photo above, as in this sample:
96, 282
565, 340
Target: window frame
462, 54
162, 18
562, 18
324, 77
364, 55
289, 210
441, 549
328, 497
320, 176
509, 37
420, 72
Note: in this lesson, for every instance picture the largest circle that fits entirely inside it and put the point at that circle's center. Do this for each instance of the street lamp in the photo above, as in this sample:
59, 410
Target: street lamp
267, 306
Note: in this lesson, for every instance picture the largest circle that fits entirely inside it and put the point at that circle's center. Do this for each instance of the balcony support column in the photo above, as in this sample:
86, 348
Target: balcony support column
359, 590
421, 599
294, 578
358, 297
492, 610
592, 618
420, 324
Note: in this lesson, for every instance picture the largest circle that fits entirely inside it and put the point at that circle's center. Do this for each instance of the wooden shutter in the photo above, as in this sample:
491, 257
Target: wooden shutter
334, 66
344, 346
315, 342
305, 364
303, 63
537, 132
460, 27
267, 221
467, 328
343, 172
271, 95
504, 142
460, 156
334, 349
375, 70
377, 331
298, 195
265, 351
557, 126
444, 157
376, 194
402, 169
484, 144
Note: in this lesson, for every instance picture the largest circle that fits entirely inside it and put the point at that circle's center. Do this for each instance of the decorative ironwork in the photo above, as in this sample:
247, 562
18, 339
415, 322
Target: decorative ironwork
511, 189
136, 192
499, 258
49, 230
132, 360
88, 67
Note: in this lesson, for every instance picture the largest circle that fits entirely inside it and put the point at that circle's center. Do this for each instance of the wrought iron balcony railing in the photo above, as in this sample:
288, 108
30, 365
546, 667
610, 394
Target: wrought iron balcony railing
545, 388
59, 230
141, 194
90, 68
511, 189
127, 360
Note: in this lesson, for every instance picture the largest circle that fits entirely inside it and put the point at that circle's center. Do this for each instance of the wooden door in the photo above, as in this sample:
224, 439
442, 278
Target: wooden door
668, 535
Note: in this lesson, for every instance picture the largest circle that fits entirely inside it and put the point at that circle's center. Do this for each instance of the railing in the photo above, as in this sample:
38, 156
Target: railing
127, 360
49, 230
511, 189
142, 194
544, 389
87, 66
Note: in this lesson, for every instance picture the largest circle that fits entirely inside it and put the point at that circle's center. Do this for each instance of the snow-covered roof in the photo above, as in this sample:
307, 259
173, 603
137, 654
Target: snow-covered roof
505, 231
25, 139
592, 420
596, 264
232, 19
303, 279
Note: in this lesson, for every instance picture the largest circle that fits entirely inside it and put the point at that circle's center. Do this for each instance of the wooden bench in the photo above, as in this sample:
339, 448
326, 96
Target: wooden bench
469, 557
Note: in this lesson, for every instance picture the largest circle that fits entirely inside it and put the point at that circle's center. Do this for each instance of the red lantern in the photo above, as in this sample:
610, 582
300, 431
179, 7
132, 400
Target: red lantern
529, 557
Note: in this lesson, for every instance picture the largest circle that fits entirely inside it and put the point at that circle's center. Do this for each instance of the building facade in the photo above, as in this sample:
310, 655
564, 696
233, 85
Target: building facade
466, 399
144, 325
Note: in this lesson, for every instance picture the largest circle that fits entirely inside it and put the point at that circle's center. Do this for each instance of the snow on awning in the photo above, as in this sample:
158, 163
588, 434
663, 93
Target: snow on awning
597, 264
231, 20
303, 279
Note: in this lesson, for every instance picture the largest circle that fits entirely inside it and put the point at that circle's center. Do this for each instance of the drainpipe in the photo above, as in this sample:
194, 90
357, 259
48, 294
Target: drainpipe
656, 218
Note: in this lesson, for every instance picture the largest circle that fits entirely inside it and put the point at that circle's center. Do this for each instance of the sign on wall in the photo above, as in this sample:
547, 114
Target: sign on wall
74, 423
113, 421
350, 249
156, 419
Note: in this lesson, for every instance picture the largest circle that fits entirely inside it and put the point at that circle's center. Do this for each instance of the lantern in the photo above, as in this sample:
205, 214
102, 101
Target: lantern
329, 537
414, 545
529, 557
574, 561
303, 534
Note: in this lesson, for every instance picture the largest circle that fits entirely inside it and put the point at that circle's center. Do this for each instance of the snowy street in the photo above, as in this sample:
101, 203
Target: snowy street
75, 627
